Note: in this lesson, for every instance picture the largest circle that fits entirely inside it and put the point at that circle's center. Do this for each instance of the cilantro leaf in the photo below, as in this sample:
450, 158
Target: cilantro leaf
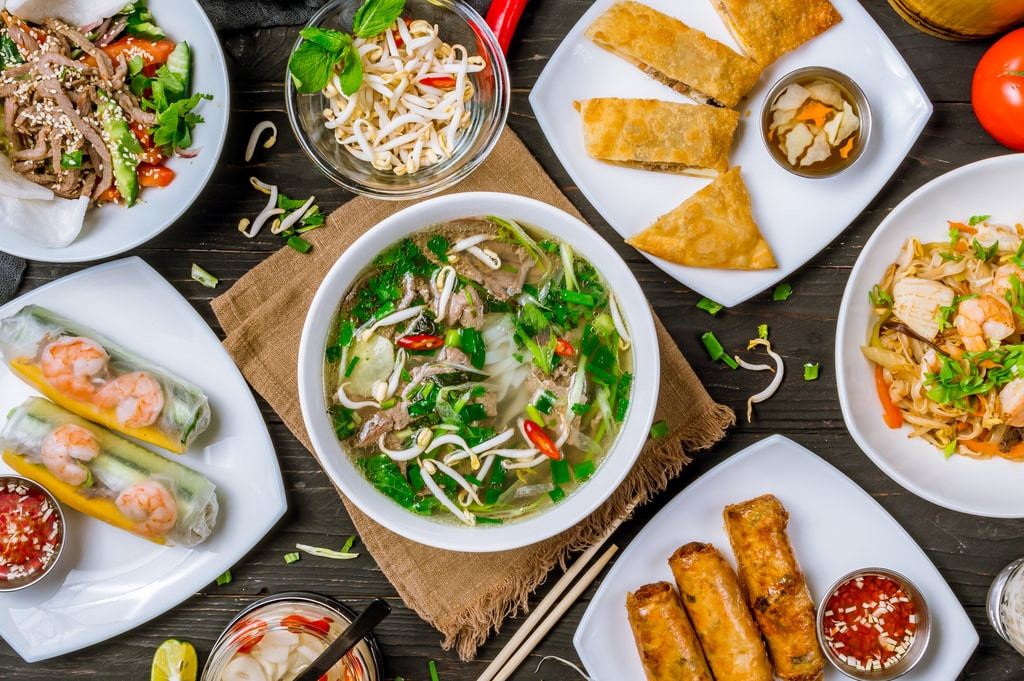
375, 16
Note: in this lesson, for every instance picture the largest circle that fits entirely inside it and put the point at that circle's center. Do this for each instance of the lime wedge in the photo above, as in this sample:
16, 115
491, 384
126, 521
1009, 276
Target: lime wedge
175, 660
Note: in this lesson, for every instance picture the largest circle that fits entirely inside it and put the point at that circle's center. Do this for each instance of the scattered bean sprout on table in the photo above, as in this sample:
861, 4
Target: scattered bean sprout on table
411, 105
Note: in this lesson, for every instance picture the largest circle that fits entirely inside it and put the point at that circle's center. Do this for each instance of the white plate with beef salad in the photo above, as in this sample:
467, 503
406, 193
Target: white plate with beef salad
798, 216
126, 125
109, 580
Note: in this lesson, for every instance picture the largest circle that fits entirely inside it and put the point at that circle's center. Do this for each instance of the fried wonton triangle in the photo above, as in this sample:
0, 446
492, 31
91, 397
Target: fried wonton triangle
712, 228
767, 29
672, 53
655, 135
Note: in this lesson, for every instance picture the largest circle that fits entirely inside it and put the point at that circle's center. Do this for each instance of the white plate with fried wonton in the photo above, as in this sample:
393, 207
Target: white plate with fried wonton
111, 228
798, 216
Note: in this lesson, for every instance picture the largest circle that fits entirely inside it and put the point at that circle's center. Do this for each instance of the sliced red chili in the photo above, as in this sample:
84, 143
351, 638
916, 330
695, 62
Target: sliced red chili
299, 625
541, 440
564, 348
421, 341
250, 635
438, 81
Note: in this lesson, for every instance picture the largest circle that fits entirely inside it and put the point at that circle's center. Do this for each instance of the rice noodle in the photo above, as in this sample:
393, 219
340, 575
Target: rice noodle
411, 106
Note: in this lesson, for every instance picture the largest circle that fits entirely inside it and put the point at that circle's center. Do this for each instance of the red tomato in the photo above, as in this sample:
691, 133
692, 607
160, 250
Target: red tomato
997, 92
300, 624
250, 634
151, 52
154, 176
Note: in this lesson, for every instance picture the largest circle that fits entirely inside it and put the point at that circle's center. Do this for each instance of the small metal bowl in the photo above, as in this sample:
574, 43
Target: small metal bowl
917, 646
19, 485
850, 89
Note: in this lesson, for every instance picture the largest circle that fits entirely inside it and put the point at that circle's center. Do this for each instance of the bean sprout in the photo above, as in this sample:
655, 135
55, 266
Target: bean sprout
255, 137
411, 105
776, 381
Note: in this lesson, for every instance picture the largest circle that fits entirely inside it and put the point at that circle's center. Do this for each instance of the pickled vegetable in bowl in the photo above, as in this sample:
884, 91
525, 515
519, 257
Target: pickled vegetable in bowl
815, 122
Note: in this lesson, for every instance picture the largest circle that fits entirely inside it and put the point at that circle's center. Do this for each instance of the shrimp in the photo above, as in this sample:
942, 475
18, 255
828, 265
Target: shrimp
1011, 402
136, 397
73, 364
1001, 282
150, 505
981, 318
64, 447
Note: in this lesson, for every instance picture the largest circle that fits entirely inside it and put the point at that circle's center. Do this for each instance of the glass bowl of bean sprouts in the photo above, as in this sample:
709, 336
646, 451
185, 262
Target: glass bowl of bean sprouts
432, 103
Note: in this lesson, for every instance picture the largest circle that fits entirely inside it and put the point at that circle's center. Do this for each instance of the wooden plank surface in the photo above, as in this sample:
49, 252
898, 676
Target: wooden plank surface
967, 550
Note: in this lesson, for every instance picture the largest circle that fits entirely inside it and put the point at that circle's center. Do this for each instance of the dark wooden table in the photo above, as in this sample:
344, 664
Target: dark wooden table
967, 550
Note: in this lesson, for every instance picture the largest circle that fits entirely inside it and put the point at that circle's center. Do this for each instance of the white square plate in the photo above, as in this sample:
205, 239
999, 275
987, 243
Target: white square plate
798, 216
107, 580
835, 527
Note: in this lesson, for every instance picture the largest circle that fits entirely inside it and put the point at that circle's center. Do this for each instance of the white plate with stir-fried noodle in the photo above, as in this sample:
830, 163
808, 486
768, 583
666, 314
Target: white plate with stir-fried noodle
966, 453
113, 228
797, 216
109, 580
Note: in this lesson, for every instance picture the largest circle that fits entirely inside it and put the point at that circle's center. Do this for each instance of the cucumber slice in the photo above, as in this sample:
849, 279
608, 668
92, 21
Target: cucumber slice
179, 62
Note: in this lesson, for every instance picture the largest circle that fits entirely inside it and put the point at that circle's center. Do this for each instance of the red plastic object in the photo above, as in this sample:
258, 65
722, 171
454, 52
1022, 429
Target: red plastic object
503, 17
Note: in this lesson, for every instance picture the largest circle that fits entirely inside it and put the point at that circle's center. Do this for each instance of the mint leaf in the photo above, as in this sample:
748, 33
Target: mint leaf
330, 41
375, 16
312, 62
351, 72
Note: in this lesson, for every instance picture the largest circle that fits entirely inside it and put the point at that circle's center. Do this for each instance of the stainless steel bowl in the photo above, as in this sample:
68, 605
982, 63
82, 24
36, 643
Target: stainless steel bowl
846, 84
917, 646
21, 485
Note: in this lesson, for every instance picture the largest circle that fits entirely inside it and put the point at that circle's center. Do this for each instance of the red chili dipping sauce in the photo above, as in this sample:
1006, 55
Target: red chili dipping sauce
869, 622
29, 531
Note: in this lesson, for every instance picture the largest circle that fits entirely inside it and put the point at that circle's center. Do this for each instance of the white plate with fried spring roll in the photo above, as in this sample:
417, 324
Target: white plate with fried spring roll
835, 527
109, 580
797, 216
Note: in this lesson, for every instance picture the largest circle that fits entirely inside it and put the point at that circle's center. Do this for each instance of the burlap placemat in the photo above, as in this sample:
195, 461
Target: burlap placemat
464, 596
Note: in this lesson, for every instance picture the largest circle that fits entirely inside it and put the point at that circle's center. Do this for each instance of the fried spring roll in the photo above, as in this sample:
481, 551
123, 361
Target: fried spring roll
667, 644
107, 477
712, 598
775, 586
98, 379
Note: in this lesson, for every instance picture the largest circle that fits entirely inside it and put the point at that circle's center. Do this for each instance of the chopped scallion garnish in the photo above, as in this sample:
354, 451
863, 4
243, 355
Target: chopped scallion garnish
709, 306
292, 557
659, 429
351, 366
343, 554
204, 277
762, 331
433, 671
299, 244
224, 578
811, 371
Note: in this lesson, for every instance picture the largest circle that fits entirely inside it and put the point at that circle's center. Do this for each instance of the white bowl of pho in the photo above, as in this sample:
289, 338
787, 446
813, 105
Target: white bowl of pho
467, 372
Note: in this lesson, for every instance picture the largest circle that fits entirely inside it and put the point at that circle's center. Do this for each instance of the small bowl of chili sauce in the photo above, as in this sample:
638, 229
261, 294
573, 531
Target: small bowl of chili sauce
31, 532
873, 624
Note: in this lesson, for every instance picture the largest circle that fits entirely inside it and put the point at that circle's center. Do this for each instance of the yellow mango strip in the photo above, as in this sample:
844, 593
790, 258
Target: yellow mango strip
815, 112
31, 374
101, 509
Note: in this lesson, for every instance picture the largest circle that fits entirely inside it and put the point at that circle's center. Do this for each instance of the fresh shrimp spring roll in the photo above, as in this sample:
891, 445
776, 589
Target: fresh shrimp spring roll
775, 586
108, 477
94, 377
714, 602
668, 646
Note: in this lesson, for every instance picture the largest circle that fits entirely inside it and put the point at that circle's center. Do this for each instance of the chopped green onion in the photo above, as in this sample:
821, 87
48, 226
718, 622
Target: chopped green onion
536, 416
473, 412
811, 371
453, 339
299, 244
604, 324
730, 362
224, 578
204, 277
557, 494
659, 429
782, 292
709, 306
580, 409
351, 366
344, 554
949, 449
546, 402
583, 470
560, 472
388, 403
291, 557
621, 405
714, 348
433, 671
762, 331
576, 298
484, 520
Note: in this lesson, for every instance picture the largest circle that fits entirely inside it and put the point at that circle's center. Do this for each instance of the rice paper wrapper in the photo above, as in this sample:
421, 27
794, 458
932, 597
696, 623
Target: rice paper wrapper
119, 467
185, 412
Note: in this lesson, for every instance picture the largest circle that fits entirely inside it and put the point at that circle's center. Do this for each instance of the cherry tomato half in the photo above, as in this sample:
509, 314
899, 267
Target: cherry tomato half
997, 91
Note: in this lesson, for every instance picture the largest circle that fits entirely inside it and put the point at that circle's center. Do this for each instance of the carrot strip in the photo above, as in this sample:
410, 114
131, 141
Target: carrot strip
891, 413
844, 151
963, 228
816, 112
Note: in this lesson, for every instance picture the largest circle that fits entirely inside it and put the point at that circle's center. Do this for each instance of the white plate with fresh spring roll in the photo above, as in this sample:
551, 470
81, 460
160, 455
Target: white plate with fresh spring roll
109, 580
112, 228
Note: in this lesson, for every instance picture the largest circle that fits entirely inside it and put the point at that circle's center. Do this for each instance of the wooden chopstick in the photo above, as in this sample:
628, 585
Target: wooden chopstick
545, 626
